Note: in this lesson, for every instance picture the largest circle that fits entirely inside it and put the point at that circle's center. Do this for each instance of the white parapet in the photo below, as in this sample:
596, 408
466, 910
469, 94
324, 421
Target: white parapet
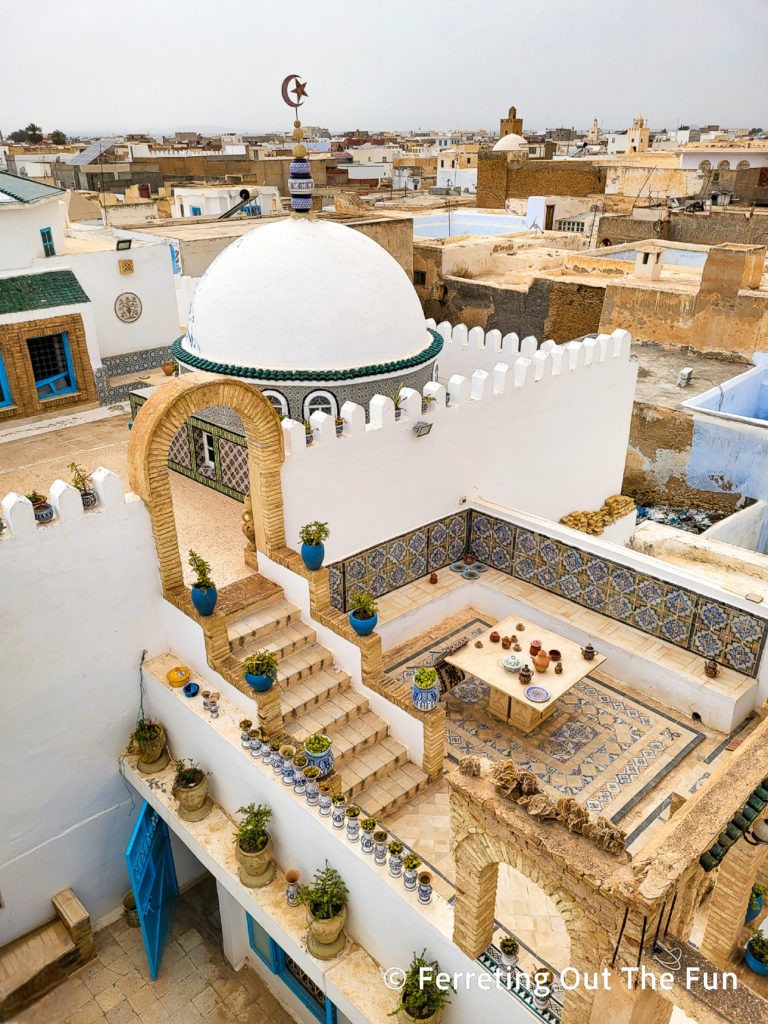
410, 403
354, 418
381, 411
66, 501
108, 488
481, 385
323, 427
19, 514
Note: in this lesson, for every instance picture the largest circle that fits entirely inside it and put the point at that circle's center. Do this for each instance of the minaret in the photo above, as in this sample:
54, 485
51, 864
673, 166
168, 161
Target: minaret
300, 184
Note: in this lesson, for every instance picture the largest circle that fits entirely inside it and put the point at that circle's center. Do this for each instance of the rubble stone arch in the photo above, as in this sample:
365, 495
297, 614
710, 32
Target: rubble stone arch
154, 429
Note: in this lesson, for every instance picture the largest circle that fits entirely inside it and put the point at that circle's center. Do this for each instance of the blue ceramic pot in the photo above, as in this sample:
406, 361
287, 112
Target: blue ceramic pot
204, 600
425, 700
363, 626
259, 683
323, 762
313, 555
754, 964
752, 914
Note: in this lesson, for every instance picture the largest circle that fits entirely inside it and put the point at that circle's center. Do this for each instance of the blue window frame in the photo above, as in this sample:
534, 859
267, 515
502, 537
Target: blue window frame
46, 235
195, 211
51, 365
289, 972
5, 391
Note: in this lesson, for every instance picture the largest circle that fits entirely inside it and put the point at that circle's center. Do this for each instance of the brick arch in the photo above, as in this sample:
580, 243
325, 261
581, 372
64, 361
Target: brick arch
155, 427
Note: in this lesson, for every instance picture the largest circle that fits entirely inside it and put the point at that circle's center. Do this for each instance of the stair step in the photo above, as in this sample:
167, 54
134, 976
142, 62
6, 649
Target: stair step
263, 622
331, 716
385, 795
281, 642
371, 764
298, 667
302, 696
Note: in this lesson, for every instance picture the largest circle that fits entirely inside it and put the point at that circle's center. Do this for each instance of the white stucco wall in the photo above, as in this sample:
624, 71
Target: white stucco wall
80, 601
544, 446
20, 226
152, 280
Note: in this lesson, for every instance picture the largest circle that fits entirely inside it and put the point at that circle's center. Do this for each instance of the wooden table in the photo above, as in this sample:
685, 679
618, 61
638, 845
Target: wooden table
507, 699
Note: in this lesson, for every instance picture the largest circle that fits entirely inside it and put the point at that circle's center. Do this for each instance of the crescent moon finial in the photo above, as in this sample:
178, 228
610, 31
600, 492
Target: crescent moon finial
300, 184
299, 89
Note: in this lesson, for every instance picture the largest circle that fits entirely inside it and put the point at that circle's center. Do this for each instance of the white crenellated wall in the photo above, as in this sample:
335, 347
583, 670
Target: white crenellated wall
80, 600
541, 429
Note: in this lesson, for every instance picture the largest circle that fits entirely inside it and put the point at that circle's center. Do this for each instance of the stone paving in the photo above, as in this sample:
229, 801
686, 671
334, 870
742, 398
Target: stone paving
195, 984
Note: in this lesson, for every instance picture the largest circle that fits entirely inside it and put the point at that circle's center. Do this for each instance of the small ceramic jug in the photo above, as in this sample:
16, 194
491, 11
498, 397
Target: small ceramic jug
589, 652
711, 668
541, 661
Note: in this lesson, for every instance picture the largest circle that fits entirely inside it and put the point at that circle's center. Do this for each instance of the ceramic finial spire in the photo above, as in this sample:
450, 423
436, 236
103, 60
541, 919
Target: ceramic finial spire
300, 183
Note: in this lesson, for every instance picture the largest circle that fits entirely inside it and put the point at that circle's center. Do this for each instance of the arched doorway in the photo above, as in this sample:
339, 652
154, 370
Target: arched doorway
153, 432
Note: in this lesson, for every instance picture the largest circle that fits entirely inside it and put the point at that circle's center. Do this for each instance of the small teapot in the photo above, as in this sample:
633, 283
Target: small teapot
525, 675
541, 661
506, 643
588, 652
711, 668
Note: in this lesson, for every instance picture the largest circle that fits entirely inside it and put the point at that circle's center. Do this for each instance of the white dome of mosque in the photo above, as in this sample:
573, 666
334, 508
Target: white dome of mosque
305, 295
510, 143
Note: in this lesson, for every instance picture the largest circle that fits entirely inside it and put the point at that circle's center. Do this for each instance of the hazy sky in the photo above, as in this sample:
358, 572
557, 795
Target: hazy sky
160, 65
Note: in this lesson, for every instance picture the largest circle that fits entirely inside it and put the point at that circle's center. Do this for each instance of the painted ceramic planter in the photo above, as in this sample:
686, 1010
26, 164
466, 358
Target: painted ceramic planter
323, 761
339, 815
88, 499
410, 877
380, 849
509, 959
259, 683
311, 791
204, 600
395, 864
425, 699
363, 627
292, 877
299, 782
256, 869
324, 800
353, 830
752, 914
753, 963
366, 842
313, 555
424, 887
43, 512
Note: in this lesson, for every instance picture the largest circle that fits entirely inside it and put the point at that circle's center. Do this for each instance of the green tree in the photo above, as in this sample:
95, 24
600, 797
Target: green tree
18, 136
34, 132
58, 138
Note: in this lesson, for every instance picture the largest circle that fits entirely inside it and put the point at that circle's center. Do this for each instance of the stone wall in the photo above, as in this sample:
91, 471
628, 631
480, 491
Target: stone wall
500, 178
730, 225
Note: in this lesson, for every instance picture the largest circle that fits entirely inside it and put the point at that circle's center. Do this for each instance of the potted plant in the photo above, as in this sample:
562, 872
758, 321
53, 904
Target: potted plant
275, 759
170, 367
424, 887
312, 537
308, 432
260, 671
253, 846
299, 779
426, 401
411, 865
425, 692
204, 593
324, 798
148, 739
318, 751
312, 774
42, 509
510, 948
395, 858
380, 838
325, 899
338, 800
363, 617
256, 742
245, 736
756, 953
368, 827
755, 901
190, 787
339, 424
542, 990
353, 823
421, 999
84, 484
287, 752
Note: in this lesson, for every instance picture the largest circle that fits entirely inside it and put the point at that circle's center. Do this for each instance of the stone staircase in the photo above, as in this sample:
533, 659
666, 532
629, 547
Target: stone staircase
317, 696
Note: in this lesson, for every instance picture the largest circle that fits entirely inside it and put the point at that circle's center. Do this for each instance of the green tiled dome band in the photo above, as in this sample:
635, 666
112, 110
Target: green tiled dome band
259, 373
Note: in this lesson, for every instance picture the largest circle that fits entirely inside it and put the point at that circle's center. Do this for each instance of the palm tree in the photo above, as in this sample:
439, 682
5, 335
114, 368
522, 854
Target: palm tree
34, 132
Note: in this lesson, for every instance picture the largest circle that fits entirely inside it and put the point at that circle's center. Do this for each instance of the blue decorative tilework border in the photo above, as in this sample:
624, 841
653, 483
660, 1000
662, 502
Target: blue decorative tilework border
708, 628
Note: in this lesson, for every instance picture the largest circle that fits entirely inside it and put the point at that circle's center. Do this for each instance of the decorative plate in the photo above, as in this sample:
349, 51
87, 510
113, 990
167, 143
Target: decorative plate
470, 574
511, 663
458, 566
478, 567
537, 694
128, 307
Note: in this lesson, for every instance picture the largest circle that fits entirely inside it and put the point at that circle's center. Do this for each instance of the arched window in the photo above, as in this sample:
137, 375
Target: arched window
724, 165
320, 401
277, 401
742, 165
705, 165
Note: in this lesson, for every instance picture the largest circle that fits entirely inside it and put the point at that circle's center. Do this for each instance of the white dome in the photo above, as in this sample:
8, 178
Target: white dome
304, 294
510, 143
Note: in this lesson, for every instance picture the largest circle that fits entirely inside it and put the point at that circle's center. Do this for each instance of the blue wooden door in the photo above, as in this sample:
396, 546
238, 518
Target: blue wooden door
153, 880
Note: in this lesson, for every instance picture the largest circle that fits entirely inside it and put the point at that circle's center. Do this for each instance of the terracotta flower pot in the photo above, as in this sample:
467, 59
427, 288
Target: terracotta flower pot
194, 802
255, 867
150, 750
